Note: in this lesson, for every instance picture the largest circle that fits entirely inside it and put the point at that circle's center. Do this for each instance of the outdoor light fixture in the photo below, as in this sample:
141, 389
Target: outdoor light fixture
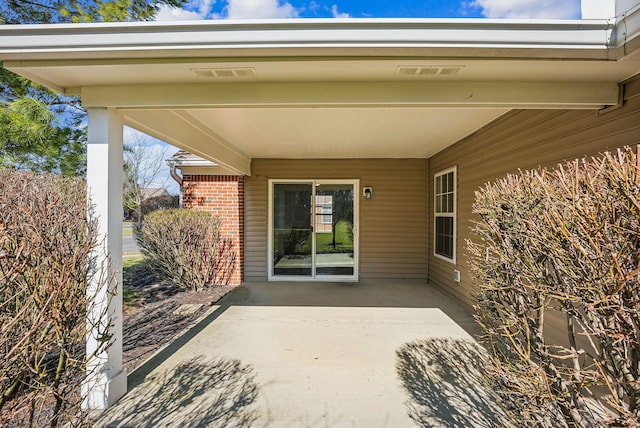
367, 192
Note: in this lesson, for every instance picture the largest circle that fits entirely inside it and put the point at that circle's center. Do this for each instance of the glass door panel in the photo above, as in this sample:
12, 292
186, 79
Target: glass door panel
333, 228
292, 229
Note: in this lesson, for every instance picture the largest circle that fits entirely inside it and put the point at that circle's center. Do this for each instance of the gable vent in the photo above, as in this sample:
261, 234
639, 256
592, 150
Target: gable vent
225, 73
435, 70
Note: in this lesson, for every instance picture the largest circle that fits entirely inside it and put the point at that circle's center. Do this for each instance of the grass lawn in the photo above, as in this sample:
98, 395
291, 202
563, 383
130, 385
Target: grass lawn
127, 228
344, 240
130, 264
324, 241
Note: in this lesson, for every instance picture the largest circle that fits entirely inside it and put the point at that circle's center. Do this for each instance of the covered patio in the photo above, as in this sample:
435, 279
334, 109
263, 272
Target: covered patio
288, 354
389, 105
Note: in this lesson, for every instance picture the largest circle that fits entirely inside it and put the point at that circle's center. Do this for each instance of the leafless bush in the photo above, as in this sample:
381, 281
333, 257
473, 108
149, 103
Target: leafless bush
187, 247
47, 241
563, 244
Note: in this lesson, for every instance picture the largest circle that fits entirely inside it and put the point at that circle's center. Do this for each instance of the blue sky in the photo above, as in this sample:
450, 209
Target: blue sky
261, 9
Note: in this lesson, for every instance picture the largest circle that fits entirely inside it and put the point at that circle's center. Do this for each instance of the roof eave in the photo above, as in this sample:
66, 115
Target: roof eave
339, 37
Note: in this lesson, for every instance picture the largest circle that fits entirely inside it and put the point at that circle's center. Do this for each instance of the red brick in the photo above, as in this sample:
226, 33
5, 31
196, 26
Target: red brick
222, 196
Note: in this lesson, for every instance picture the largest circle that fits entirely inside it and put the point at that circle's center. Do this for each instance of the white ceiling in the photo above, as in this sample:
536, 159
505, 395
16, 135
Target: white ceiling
342, 132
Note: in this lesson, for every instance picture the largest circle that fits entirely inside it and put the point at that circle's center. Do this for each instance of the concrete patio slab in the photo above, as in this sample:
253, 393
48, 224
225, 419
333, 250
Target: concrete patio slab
308, 355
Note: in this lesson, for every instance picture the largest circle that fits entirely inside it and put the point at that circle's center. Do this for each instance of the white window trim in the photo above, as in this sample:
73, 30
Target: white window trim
453, 215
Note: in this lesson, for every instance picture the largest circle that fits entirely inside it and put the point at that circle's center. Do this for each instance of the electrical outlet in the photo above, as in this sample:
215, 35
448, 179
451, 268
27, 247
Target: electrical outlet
456, 275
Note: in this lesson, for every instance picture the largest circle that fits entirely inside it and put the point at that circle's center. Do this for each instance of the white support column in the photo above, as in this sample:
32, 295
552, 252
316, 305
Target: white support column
106, 379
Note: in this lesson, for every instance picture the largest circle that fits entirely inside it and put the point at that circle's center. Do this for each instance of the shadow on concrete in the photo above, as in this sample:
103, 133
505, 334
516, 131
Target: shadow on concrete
197, 392
445, 382
141, 373
377, 294
334, 344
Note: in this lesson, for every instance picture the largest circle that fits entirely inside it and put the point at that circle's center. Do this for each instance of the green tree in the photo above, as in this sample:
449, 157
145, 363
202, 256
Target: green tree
60, 11
41, 130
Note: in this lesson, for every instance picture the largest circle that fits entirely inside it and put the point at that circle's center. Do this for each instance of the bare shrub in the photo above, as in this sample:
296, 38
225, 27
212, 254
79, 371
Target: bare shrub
563, 244
186, 247
47, 243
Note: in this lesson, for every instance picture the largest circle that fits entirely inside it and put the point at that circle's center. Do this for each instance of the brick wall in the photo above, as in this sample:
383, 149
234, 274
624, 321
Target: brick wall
223, 196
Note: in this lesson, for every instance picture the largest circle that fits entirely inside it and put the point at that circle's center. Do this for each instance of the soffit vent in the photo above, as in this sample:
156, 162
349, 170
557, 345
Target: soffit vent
434, 70
225, 73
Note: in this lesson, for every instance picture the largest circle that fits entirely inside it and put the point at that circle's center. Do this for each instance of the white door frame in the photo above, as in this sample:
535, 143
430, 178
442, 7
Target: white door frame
356, 232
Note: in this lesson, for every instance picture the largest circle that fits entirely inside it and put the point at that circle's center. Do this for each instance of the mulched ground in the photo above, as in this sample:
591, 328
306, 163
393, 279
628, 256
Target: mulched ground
156, 315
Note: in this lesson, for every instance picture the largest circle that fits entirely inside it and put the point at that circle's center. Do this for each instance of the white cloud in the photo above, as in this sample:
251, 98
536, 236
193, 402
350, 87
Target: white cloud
168, 13
529, 9
203, 6
246, 9
336, 14
195, 9
262, 9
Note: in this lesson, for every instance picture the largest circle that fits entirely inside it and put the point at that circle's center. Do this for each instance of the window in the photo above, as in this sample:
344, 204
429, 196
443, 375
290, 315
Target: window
327, 213
445, 214
324, 208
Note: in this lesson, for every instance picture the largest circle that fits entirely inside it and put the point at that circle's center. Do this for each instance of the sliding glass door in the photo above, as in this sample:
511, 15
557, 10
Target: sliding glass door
333, 229
292, 231
313, 233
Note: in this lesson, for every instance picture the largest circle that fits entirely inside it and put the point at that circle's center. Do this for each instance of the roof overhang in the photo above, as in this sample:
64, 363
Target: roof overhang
316, 37
32, 49
232, 91
189, 163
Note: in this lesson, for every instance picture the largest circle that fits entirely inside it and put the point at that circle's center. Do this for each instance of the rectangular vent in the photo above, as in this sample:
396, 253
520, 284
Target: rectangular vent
434, 70
428, 71
408, 71
225, 73
450, 70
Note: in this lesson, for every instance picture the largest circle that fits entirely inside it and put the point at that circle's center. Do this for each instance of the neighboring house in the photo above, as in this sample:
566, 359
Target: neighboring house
154, 192
153, 198
422, 112
157, 199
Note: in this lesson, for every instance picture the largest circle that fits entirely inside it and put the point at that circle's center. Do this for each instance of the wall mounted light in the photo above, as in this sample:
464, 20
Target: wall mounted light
367, 192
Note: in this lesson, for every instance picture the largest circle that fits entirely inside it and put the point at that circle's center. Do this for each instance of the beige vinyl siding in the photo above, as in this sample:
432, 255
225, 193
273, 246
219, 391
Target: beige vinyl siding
522, 139
393, 224
255, 232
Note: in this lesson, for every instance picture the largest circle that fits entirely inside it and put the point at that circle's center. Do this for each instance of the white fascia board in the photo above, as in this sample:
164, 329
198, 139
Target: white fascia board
305, 37
628, 29
356, 94
189, 163
205, 170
